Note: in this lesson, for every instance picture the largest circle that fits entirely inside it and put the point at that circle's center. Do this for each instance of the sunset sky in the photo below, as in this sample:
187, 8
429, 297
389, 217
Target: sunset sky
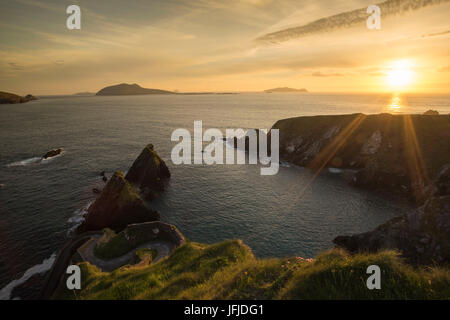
218, 45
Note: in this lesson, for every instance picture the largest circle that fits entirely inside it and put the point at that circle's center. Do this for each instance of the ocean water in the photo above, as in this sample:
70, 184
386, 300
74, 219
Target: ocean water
42, 201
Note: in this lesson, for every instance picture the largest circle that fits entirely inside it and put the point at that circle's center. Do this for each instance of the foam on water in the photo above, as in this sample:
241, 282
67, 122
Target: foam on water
25, 162
77, 218
5, 292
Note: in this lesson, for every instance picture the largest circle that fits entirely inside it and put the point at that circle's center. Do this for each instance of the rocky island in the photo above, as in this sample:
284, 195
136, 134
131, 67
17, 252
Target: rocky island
120, 203
52, 153
286, 90
11, 98
125, 89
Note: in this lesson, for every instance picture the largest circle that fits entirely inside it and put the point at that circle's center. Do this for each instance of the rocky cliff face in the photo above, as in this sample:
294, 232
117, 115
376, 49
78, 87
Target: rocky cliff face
117, 206
422, 235
397, 154
406, 155
149, 173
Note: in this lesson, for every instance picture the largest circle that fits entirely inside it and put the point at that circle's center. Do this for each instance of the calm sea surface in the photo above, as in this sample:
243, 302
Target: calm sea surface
41, 201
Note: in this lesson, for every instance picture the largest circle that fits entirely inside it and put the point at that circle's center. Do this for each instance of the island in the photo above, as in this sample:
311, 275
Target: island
10, 98
125, 89
286, 90
84, 94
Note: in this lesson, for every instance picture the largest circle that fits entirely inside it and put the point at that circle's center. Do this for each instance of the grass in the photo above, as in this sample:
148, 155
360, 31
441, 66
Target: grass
228, 270
112, 245
143, 253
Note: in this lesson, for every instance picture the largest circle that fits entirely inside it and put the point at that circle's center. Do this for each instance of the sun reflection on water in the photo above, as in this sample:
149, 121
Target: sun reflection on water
395, 104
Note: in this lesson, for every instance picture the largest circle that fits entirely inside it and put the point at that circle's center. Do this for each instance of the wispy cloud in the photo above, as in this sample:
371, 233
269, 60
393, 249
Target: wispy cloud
344, 20
436, 34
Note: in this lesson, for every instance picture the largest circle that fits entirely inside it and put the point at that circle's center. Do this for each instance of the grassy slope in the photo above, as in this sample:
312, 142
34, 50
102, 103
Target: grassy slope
228, 270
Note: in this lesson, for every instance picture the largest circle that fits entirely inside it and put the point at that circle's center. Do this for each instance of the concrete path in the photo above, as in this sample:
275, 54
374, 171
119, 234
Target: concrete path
86, 252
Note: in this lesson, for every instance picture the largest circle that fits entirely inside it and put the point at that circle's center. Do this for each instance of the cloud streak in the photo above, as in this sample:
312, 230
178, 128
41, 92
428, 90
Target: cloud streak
344, 20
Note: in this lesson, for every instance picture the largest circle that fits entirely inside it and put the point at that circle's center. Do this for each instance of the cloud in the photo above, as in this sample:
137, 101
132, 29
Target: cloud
435, 34
15, 66
321, 74
344, 20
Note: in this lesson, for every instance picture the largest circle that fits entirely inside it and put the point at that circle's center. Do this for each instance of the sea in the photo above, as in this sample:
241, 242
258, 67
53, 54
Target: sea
42, 201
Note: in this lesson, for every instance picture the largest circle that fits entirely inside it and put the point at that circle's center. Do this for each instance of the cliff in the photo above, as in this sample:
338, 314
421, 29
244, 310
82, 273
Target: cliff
129, 89
406, 155
397, 154
117, 206
149, 172
422, 235
10, 98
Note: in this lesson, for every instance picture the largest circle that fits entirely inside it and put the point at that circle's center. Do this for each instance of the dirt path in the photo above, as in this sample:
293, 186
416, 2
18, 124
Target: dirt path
86, 251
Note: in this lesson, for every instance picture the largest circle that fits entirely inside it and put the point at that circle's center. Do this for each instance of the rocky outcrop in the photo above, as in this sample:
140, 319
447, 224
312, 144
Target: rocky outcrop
10, 98
117, 206
422, 235
397, 154
52, 153
149, 173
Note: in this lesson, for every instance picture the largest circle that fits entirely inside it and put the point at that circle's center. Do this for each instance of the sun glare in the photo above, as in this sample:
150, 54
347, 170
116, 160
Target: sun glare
399, 75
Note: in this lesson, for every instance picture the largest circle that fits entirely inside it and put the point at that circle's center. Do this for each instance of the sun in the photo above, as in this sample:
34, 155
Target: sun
399, 75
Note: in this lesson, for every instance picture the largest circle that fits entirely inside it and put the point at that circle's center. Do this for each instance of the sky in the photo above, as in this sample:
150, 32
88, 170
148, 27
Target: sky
218, 45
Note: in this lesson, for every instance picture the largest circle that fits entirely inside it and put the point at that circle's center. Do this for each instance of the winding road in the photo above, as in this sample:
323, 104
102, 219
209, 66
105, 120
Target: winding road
86, 251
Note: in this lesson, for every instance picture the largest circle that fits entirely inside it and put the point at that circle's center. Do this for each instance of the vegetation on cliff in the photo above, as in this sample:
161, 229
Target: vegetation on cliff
228, 270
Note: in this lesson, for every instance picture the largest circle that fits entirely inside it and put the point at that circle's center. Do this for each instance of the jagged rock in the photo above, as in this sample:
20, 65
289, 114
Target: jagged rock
104, 179
96, 190
52, 153
422, 236
102, 174
149, 172
117, 206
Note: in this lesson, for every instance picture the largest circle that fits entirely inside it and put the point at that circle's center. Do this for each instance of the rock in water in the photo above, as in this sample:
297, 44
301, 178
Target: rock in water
52, 153
148, 172
117, 206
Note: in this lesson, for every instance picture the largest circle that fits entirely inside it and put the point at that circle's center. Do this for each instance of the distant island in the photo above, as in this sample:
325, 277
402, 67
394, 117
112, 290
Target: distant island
9, 98
84, 94
285, 90
125, 89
